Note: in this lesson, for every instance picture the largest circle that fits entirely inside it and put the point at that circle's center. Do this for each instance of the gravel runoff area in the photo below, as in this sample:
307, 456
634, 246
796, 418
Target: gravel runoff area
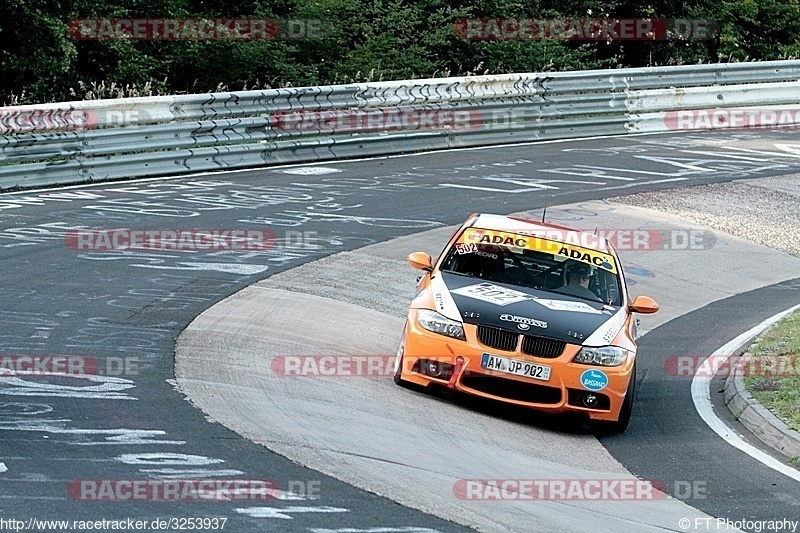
765, 211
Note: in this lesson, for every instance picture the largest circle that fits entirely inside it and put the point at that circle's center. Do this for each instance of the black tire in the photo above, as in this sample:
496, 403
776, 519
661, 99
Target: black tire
625, 411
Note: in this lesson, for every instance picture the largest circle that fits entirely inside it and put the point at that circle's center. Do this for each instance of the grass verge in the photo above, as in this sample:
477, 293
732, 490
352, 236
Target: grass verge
774, 380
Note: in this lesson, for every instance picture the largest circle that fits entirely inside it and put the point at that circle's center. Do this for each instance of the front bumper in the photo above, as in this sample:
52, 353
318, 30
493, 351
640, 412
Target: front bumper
428, 359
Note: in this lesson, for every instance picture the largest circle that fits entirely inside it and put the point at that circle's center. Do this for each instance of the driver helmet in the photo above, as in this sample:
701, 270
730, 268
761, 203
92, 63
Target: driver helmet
580, 270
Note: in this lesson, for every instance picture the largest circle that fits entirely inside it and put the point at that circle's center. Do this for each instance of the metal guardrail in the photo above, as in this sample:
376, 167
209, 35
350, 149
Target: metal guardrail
75, 142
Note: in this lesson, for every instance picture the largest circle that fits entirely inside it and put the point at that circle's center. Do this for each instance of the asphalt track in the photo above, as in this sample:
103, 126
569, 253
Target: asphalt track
669, 441
128, 307
234, 362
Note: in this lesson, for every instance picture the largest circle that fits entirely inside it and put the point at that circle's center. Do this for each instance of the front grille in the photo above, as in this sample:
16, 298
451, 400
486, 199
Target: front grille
497, 338
541, 347
511, 389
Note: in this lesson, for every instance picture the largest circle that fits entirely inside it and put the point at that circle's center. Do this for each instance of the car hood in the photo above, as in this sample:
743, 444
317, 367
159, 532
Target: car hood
526, 310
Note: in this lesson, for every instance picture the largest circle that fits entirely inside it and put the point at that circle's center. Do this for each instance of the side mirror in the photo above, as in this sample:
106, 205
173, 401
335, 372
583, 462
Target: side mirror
420, 260
643, 304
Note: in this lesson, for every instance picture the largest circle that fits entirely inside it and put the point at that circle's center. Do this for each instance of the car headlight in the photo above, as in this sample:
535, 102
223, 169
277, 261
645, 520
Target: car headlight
438, 323
603, 355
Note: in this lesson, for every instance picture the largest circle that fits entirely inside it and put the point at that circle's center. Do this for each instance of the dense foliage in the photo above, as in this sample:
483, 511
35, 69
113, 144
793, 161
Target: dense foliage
362, 40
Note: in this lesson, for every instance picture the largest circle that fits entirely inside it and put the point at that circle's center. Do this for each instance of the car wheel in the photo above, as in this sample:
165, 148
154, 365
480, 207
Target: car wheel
625, 411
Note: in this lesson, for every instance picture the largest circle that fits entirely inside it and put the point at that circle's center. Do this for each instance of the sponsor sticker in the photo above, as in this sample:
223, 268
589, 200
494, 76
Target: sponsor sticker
530, 242
563, 305
493, 294
594, 380
522, 322
439, 301
589, 257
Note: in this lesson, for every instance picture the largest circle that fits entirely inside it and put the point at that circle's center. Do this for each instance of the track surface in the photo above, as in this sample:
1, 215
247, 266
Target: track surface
234, 362
128, 307
667, 439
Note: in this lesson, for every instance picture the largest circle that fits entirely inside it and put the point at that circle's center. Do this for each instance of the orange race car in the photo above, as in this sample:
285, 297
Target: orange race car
527, 313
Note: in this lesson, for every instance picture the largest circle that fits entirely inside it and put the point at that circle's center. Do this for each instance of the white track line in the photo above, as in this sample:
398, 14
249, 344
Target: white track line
702, 399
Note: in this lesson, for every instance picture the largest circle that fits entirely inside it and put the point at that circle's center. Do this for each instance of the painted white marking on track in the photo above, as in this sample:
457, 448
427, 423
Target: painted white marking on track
701, 396
121, 437
651, 182
232, 268
790, 148
494, 189
168, 458
41, 333
177, 473
3, 467
282, 512
762, 152
728, 156
102, 387
599, 172
309, 171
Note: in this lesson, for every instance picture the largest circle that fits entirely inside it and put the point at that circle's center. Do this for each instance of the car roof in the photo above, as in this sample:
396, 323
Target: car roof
554, 232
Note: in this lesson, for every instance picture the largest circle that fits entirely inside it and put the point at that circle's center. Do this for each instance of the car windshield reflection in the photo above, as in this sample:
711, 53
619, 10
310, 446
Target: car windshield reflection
536, 269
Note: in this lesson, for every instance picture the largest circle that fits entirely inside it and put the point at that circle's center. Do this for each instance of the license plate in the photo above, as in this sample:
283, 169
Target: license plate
515, 367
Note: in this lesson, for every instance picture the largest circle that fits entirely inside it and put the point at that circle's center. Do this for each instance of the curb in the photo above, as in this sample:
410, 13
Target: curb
759, 420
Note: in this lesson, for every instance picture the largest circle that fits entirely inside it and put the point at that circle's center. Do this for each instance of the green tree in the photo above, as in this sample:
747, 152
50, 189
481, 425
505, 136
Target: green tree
36, 53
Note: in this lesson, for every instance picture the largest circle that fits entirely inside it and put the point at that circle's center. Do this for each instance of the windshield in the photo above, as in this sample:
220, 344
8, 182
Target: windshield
537, 263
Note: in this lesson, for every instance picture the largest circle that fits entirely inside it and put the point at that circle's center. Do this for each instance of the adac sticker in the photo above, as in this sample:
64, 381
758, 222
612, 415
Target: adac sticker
594, 380
518, 241
589, 257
